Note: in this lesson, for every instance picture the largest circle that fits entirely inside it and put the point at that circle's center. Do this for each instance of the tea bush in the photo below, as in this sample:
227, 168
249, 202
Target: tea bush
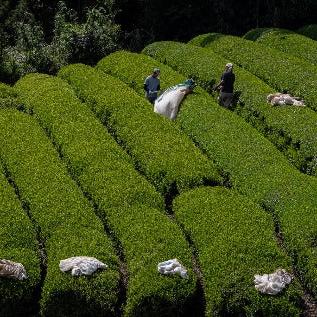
66, 221
254, 167
18, 244
147, 235
235, 240
279, 70
160, 151
286, 41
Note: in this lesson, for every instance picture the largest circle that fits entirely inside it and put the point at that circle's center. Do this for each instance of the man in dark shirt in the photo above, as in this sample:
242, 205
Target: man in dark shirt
226, 86
152, 85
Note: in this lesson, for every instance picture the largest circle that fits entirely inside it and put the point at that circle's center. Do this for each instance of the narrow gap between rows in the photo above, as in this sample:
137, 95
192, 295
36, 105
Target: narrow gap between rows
115, 241
308, 302
39, 238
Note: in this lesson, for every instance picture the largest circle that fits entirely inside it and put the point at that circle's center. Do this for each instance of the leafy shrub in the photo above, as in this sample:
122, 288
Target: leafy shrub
291, 129
67, 223
234, 239
285, 41
27, 49
147, 136
83, 42
8, 96
279, 70
92, 155
309, 31
147, 236
18, 244
254, 167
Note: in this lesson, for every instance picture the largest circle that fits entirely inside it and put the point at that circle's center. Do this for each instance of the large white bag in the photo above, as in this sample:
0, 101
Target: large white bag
168, 103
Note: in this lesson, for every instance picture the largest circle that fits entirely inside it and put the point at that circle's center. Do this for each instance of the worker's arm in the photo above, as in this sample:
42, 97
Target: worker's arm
219, 85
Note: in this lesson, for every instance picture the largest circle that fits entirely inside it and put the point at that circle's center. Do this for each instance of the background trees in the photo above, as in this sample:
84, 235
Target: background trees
39, 35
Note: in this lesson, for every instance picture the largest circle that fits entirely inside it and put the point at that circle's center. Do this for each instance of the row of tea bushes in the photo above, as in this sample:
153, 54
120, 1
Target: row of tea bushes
280, 70
291, 129
166, 157
146, 235
285, 41
8, 96
18, 244
92, 155
309, 31
66, 221
130, 68
256, 169
235, 240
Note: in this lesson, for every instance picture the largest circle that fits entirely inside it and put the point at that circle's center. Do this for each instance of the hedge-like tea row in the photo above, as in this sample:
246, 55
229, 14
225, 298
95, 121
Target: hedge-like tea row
309, 31
67, 222
291, 129
161, 152
255, 167
146, 234
8, 96
18, 244
285, 41
93, 156
235, 240
280, 70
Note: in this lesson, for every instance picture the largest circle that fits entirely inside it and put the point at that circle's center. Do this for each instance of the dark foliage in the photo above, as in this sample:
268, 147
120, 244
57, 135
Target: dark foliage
38, 35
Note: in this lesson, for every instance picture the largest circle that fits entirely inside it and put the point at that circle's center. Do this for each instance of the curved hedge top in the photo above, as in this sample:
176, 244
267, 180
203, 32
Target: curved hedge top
234, 239
285, 41
161, 151
85, 144
280, 70
292, 129
233, 144
8, 96
309, 31
255, 167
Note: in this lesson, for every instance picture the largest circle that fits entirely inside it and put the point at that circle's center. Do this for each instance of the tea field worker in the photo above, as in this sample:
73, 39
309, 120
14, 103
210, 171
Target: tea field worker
152, 85
226, 86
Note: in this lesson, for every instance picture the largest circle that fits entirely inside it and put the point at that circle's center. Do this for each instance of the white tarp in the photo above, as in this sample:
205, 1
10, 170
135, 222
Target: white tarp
279, 99
12, 270
273, 283
172, 267
81, 265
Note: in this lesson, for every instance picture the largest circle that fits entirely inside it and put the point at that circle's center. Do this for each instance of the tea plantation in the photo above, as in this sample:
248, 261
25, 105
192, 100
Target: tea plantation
88, 169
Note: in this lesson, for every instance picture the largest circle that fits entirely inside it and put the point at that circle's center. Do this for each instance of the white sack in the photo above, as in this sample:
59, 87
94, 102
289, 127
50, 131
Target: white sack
273, 283
81, 265
12, 270
279, 99
168, 103
172, 267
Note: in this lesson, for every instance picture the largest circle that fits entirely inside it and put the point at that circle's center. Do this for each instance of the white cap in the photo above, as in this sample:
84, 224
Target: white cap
229, 65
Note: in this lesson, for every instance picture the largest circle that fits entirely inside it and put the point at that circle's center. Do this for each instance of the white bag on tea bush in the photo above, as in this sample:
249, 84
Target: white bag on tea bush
81, 265
279, 99
172, 267
12, 270
168, 103
273, 283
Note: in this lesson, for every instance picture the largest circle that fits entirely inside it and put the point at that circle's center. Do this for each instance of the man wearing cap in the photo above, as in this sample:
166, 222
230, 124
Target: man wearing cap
152, 85
226, 86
